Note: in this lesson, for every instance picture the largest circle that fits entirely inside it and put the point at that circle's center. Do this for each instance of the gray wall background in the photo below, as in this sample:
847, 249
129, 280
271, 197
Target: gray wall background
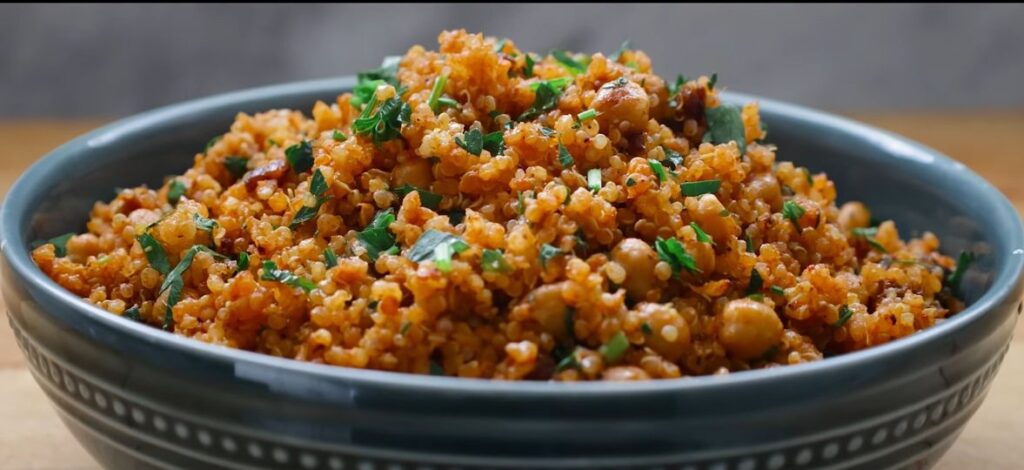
110, 60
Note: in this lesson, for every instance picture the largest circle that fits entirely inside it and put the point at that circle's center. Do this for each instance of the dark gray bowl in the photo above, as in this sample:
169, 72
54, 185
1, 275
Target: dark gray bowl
137, 396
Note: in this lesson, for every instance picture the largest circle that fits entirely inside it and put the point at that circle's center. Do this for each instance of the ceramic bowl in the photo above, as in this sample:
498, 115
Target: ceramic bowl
136, 396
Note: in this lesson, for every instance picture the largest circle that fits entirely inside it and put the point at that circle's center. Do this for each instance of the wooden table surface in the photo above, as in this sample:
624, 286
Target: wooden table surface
991, 143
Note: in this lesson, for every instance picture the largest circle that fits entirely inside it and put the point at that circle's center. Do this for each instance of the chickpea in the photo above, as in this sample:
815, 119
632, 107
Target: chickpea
638, 259
414, 172
670, 334
749, 328
548, 308
854, 215
708, 211
618, 103
625, 373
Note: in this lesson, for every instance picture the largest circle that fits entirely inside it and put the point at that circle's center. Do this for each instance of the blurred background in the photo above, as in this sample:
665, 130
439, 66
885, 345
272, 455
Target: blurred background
114, 60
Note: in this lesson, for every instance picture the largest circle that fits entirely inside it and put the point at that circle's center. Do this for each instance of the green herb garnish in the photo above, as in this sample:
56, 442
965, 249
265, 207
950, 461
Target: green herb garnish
545, 99
844, 316
697, 188
869, 234
615, 348
471, 141
494, 143
547, 252
236, 165
673, 160
272, 273
133, 314
175, 191
427, 247
564, 157
385, 123
956, 277
571, 65
243, 261
750, 243
317, 187
521, 205
756, 282
300, 156
338, 135
792, 211
494, 261
713, 81
154, 253
330, 258
375, 237
59, 243
778, 290
658, 170
447, 102
528, 69
725, 124
174, 284
646, 328
569, 361
594, 179
436, 91
427, 199
674, 253
626, 45
213, 141
586, 115
702, 236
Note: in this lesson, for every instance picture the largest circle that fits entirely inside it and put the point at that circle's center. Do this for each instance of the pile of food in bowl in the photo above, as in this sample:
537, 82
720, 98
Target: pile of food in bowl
480, 211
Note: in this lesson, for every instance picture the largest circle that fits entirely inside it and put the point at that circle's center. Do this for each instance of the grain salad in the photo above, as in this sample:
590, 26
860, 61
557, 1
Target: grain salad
480, 211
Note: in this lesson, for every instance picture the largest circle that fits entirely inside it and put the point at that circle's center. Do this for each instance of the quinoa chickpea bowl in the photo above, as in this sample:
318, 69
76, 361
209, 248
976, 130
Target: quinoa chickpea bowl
459, 258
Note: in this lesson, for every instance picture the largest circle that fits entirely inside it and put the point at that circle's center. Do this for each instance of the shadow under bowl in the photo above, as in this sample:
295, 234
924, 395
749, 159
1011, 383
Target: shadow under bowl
140, 397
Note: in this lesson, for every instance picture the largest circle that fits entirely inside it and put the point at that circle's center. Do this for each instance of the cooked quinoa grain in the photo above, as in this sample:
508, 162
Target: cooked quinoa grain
467, 213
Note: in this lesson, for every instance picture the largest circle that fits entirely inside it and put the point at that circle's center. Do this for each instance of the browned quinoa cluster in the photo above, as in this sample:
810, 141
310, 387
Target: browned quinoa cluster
479, 211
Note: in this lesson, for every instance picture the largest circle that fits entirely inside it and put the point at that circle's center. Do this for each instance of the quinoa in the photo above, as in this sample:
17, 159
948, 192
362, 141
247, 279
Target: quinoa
523, 217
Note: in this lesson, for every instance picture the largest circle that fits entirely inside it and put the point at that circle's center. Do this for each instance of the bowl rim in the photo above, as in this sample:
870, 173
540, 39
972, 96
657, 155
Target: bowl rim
15, 249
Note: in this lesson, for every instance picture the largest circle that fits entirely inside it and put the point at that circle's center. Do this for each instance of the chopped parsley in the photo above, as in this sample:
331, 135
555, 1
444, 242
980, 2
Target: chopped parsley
60, 244
713, 81
494, 261
300, 156
697, 188
202, 223
213, 141
427, 199
547, 253
956, 277
236, 165
436, 91
626, 45
243, 261
338, 135
471, 141
272, 273
364, 91
756, 282
658, 170
154, 253
792, 211
317, 187
725, 124
175, 191
594, 179
702, 236
674, 253
385, 123
376, 238
528, 69
439, 246
174, 284
869, 234
133, 314
494, 143
615, 348
571, 65
545, 99
844, 316
330, 258
564, 157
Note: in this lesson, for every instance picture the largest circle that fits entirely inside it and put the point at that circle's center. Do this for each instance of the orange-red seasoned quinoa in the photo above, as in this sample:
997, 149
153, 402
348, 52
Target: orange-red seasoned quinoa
563, 217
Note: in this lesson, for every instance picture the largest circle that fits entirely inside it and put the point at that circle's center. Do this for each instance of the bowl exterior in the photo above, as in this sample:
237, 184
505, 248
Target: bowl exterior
141, 398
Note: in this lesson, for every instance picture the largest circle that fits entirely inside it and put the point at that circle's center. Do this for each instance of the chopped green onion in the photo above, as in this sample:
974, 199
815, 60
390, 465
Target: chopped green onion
494, 261
528, 69
236, 165
792, 211
300, 156
202, 223
657, 169
547, 252
725, 124
175, 191
436, 91
448, 102
243, 261
615, 348
570, 64
594, 179
702, 236
213, 141
674, 253
844, 315
272, 273
154, 253
564, 157
778, 290
697, 188
756, 282
869, 234
586, 115
521, 206
713, 81
750, 243
330, 258
405, 328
